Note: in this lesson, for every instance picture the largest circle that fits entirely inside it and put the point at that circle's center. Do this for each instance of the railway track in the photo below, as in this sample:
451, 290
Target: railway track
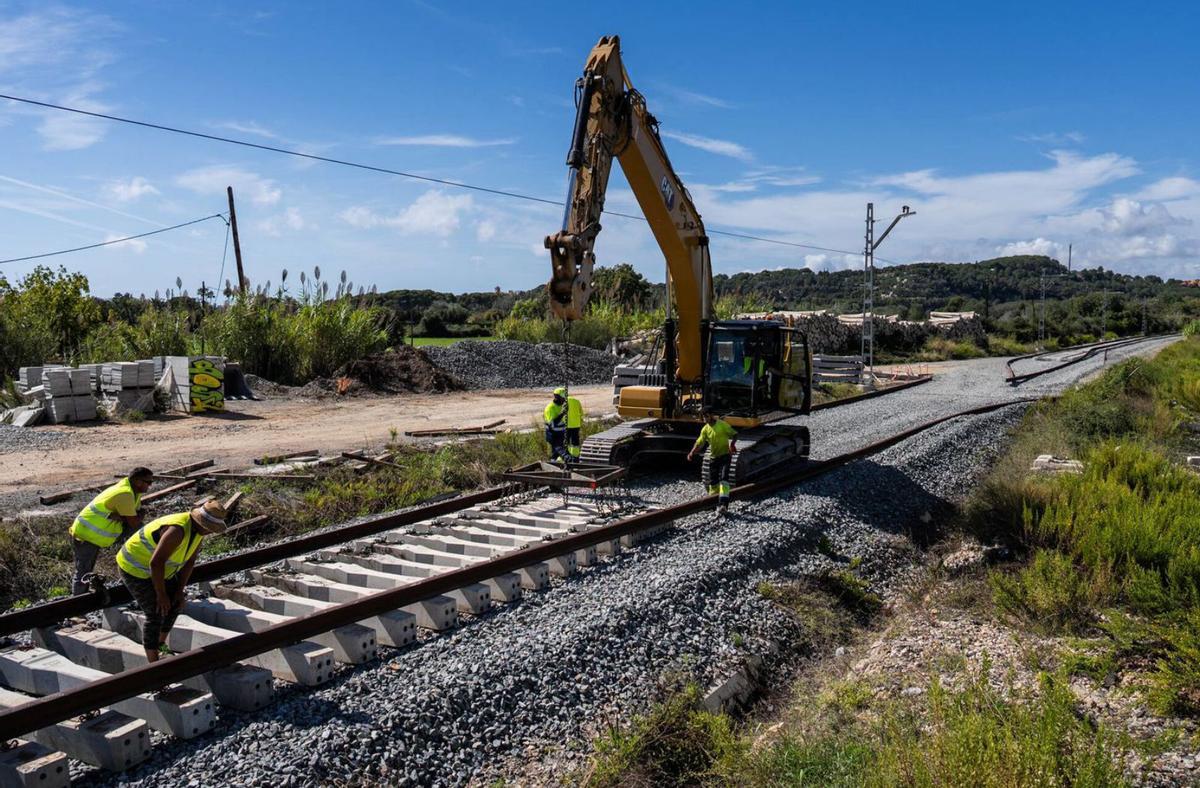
338, 597
1068, 357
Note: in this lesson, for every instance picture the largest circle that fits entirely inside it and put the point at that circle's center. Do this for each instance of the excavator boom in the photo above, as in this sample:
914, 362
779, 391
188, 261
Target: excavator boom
612, 121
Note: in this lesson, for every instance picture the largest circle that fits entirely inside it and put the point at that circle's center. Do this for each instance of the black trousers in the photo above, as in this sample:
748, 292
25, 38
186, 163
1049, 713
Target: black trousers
156, 625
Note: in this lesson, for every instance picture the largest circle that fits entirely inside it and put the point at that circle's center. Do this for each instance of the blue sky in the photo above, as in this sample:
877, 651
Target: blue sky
1016, 127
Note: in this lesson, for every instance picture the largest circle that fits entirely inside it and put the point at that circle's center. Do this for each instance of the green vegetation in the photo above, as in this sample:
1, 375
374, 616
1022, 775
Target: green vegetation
975, 734
1113, 553
291, 337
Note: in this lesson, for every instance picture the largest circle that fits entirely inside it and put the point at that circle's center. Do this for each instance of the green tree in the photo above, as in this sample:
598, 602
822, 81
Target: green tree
45, 316
623, 286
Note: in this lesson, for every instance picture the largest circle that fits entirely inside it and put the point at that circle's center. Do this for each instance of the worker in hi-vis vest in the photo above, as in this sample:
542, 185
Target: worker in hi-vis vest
574, 425
111, 515
721, 440
156, 563
554, 416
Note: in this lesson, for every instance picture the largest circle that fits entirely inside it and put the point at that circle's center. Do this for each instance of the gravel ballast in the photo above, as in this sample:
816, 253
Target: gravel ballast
25, 438
541, 675
520, 365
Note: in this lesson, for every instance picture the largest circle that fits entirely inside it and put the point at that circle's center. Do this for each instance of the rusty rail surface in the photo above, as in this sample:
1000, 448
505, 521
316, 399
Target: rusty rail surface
1090, 350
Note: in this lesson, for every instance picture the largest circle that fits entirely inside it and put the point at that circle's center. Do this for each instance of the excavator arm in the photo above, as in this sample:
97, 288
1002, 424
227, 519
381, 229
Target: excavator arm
612, 121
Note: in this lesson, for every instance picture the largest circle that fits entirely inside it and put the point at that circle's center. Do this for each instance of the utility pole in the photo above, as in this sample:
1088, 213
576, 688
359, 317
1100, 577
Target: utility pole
1143, 317
237, 246
203, 296
1069, 246
868, 322
1104, 314
868, 327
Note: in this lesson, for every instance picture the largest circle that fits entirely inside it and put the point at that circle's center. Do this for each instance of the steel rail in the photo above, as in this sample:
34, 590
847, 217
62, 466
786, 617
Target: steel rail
49, 613
1090, 351
48, 710
837, 403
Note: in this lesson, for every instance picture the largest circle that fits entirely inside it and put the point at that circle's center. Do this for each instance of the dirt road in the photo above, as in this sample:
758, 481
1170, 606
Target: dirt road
248, 430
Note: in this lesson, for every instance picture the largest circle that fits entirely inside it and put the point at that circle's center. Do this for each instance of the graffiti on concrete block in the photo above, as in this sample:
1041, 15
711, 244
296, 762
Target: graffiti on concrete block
206, 381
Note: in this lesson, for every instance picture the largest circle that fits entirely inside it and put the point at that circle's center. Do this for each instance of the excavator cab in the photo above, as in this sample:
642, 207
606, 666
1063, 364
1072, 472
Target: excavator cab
755, 369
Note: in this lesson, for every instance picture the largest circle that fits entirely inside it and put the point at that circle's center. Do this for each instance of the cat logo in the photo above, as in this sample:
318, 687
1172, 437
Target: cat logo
668, 193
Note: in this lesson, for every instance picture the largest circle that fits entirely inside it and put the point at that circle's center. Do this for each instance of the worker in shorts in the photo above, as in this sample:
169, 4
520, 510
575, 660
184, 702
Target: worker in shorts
156, 563
721, 440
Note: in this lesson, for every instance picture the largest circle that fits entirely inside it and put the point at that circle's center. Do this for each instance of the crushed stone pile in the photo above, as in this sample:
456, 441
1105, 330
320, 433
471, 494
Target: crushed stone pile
520, 365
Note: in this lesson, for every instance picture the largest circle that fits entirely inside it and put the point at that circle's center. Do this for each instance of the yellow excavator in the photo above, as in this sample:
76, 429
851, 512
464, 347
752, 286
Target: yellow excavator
755, 374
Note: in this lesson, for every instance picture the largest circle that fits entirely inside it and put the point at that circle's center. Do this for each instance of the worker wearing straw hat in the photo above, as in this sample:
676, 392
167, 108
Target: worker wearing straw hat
156, 563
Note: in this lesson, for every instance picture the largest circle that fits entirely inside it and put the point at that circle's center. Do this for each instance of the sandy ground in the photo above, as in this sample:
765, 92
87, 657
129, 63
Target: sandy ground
254, 429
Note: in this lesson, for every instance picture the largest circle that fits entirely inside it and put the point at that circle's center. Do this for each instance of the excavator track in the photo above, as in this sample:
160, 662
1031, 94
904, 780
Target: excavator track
763, 451
616, 445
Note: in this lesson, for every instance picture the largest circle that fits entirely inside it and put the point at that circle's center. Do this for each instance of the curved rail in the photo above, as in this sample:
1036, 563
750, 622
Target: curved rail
63, 705
1088, 351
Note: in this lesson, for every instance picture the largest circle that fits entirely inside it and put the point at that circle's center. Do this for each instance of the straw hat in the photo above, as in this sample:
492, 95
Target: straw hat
210, 516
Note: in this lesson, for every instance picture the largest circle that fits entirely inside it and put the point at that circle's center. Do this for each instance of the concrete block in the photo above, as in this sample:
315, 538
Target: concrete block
239, 686
473, 534
28, 416
505, 587
352, 644
57, 382
395, 628
110, 740
437, 613
179, 711
27, 764
81, 382
1048, 463
502, 526
300, 663
473, 598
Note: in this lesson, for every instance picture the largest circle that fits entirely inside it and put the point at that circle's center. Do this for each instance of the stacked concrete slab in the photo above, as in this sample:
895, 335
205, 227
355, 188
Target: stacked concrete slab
67, 396
128, 382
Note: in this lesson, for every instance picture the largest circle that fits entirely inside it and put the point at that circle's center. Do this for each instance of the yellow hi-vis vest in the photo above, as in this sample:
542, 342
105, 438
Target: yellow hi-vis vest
98, 523
553, 416
574, 413
134, 557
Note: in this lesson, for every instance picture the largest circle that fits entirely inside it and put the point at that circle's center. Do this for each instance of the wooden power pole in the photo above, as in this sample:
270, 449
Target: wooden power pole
237, 246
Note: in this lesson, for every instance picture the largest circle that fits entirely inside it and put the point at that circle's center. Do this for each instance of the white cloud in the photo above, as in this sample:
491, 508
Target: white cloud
711, 145
485, 230
1055, 138
246, 185
1037, 246
1127, 217
445, 141
694, 97
57, 54
130, 189
68, 131
248, 127
433, 213
291, 219
135, 245
1175, 188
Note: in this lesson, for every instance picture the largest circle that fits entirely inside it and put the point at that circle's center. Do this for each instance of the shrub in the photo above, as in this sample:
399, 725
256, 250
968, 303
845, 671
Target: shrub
677, 743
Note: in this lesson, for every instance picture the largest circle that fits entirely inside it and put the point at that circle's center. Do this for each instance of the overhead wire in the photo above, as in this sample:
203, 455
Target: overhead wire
386, 170
112, 241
